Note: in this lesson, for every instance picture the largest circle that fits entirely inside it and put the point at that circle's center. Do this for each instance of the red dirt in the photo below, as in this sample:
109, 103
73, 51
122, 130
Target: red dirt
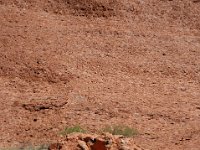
100, 62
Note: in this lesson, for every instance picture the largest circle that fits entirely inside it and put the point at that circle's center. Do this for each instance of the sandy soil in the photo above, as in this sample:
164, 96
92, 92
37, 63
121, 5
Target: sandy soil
100, 62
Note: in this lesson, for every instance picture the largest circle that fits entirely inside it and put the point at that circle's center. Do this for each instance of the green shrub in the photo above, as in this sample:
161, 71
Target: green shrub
74, 129
121, 130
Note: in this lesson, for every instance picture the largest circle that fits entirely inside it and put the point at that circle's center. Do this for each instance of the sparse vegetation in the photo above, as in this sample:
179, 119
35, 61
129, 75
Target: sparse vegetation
121, 130
126, 131
73, 129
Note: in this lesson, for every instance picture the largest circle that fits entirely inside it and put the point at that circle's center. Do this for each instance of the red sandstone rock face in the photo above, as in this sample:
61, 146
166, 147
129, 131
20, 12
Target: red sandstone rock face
98, 63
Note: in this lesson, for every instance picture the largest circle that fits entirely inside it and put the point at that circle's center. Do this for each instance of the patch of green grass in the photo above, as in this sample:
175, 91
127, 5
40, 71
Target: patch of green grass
73, 129
121, 130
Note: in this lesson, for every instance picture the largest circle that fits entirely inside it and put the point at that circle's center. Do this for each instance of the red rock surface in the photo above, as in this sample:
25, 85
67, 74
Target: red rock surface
100, 62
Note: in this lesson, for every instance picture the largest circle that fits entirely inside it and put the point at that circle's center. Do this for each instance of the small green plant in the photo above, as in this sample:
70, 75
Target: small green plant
73, 129
121, 130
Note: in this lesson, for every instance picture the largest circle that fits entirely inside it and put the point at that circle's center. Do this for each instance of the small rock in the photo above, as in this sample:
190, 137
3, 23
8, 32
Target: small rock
198, 107
109, 143
123, 145
83, 145
124, 148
